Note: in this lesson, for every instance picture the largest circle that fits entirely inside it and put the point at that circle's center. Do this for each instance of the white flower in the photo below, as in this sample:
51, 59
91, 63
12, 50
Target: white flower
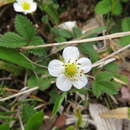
25, 6
70, 72
68, 25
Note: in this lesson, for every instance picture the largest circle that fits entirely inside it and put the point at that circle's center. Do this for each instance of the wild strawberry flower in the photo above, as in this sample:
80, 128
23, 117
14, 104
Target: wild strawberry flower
69, 25
25, 6
71, 71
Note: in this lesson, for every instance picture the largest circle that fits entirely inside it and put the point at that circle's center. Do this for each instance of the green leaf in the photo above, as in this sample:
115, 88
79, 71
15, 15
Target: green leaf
124, 0
27, 112
116, 7
51, 9
45, 19
42, 83
103, 7
24, 27
96, 89
10, 68
4, 127
125, 24
4, 117
71, 128
15, 57
124, 40
104, 76
89, 50
53, 96
45, 83
35, 121
61, 32
76, 32
101, 87
99, 30
37, 40
104, 84
12, 40
60, 39
112, 67
123, 78
58, 103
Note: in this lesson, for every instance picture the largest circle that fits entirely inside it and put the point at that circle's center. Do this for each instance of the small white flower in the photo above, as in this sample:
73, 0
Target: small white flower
25, 6
70, 72
68, 25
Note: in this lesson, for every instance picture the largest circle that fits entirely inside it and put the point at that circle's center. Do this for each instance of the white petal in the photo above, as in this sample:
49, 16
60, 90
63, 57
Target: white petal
17, 7
80, 82
71, 53
69, 25
55, 68
85, 64
63, 83
29, 1
33, 7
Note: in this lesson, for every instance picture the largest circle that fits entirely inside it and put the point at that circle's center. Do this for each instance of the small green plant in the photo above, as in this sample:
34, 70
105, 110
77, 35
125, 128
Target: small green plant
61, 67
110, 6
114, 8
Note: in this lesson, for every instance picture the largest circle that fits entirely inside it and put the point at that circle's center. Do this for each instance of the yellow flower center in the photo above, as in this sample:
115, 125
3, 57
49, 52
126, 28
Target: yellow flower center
25, 5
70, 69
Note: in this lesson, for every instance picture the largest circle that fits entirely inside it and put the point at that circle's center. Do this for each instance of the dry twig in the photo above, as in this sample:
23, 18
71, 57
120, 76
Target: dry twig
110, 58
20, 121
114, 53
105, 37
18, 94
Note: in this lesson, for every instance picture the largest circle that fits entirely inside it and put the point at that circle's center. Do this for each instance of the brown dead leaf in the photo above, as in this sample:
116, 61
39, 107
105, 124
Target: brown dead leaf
103, 123
60, 121
119, 113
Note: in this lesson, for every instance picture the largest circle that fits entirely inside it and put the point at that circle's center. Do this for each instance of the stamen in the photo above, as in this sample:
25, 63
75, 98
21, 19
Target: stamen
25, 5
71, 69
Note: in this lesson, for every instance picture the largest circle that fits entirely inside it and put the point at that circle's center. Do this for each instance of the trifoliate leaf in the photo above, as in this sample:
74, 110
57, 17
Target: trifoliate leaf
108, 87
104, 84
